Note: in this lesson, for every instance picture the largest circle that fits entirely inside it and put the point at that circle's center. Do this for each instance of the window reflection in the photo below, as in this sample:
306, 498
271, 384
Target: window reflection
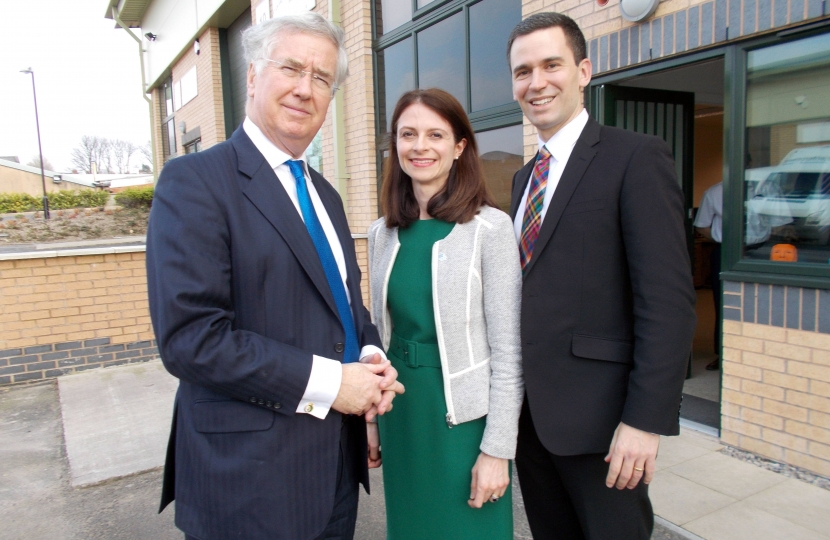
395, 67
491, 22
390, 14
441, 57
501, 156
787, 175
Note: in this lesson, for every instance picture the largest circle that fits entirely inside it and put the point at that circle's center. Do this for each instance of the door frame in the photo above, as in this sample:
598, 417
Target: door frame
728, 54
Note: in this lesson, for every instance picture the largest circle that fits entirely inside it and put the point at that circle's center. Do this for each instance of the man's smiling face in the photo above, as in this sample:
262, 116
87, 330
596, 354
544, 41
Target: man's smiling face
547, 81
290, 111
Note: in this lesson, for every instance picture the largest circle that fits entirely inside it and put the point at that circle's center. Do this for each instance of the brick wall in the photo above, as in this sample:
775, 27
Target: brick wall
776, 373
81, 310
678, 26
205, 111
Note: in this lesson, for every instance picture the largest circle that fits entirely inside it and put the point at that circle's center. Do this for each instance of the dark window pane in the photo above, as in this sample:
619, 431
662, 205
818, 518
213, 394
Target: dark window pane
787, 155
441, 57
490, 24
391, 14
501, 155
396, 71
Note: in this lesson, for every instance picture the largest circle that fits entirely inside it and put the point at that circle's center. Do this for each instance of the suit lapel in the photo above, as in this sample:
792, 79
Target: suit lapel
266, 193
581, 157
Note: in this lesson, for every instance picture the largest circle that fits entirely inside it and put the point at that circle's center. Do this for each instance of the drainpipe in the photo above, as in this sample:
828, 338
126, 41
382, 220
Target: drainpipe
338, 126
143, 91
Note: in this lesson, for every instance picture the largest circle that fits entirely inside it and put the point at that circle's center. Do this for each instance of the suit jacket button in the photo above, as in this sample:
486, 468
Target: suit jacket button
339, 347
277, 405
261, 402
252, 400
267, 403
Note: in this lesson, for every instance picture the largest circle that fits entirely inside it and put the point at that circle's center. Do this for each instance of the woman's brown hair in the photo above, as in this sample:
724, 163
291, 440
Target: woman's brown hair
465, 191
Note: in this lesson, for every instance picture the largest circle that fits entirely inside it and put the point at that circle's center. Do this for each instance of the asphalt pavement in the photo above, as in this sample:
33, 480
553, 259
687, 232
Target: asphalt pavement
71, 470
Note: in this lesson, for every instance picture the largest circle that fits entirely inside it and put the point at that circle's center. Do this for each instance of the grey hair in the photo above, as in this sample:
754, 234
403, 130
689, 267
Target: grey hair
259, 40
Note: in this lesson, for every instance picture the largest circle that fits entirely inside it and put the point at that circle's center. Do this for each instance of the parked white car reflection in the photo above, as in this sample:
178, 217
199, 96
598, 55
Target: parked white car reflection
795, 192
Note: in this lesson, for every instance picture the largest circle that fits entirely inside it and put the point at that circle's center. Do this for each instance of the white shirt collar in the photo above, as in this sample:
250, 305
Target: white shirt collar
563, 141
273, 155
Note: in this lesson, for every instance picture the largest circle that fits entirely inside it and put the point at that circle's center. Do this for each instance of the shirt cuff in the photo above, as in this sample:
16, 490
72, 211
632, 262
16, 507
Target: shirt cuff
322, 388
369, 350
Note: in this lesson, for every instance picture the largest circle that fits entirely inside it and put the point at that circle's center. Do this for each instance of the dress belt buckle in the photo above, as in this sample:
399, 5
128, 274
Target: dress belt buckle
410, 354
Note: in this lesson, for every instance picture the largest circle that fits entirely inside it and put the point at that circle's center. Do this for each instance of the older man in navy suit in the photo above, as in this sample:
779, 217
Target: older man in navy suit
256, 303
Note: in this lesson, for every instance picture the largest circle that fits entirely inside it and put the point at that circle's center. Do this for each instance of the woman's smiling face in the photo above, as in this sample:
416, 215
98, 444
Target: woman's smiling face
426, 146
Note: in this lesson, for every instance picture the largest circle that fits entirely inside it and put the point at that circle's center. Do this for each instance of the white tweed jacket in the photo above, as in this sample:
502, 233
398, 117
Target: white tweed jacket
476, 291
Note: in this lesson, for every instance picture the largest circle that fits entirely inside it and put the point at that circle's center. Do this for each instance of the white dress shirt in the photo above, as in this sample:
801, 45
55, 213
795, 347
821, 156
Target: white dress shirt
324, 381
560, 147
710, 213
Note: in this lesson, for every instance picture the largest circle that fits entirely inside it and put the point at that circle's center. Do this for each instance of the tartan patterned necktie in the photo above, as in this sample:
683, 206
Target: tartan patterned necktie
532, 221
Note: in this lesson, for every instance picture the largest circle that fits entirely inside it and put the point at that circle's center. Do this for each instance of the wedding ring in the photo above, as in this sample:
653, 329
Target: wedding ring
638, 469
494, 498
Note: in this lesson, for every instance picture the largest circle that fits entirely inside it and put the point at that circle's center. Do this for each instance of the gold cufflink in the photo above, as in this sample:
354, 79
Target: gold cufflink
309, 407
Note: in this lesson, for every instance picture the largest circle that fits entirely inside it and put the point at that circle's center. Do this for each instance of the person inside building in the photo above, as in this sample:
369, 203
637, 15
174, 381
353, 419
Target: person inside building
446, 285
607, 299
709, 223
255, 300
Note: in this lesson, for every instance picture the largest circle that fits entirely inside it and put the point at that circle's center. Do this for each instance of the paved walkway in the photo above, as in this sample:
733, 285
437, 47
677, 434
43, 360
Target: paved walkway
80, 459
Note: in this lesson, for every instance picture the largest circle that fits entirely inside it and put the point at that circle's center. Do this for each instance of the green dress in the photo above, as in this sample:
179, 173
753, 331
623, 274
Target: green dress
426, 465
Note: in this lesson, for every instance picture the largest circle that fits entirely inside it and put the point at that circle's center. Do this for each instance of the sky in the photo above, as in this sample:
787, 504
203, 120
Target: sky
87, 77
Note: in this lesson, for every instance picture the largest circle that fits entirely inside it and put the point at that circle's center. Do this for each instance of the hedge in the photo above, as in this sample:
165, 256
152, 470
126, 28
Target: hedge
14, 203
135, 197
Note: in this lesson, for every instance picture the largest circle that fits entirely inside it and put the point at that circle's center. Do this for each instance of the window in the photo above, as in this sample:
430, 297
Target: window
458, 46
786, 187
501, 156
168, 124
192, 148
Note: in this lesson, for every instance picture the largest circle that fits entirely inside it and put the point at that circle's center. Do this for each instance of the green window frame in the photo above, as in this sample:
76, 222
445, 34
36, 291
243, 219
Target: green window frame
435, 12
736, 267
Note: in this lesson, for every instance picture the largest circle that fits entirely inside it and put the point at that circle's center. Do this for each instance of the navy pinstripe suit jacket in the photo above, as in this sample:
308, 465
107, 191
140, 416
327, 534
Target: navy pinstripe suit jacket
240, 303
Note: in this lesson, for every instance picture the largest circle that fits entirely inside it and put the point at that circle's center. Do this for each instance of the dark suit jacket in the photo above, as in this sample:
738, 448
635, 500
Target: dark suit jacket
608, 301
240, 303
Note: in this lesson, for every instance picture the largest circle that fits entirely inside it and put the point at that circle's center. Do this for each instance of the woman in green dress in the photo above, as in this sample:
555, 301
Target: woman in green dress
446, 287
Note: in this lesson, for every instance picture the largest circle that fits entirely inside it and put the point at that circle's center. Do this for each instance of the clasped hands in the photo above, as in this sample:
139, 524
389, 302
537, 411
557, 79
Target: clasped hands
368, 387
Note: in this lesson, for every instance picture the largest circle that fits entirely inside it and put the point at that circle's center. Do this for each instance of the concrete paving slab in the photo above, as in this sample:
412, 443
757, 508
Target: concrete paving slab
742, 521
697, 438
676, 450
116, 421
36, 500
798, 502
727, 475
680, 501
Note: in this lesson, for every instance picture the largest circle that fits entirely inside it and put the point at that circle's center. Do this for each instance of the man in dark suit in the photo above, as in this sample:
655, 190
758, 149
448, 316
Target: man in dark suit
255, 299
607, 303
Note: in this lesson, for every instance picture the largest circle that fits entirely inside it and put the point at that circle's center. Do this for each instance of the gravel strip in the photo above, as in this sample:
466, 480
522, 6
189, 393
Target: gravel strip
780, 468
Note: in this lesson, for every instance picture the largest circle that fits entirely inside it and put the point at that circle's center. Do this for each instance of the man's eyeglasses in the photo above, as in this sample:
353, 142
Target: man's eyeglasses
318, 82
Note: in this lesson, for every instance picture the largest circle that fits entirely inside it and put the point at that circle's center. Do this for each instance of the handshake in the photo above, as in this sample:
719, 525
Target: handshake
368, 387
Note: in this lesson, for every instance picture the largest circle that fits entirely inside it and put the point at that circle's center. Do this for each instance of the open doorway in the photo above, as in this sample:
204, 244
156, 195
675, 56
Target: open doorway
703, 170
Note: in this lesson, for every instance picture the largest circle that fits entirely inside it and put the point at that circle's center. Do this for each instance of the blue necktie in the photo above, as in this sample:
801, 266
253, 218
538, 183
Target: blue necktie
321, 244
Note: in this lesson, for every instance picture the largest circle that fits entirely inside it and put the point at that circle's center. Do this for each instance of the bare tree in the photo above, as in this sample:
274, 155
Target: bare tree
91, 150
121, 152
147, 154
35, 162
110, 155
105, 156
